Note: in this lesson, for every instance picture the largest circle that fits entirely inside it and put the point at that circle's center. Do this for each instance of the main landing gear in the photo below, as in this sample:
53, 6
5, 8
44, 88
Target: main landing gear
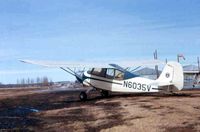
104, 93
83, 94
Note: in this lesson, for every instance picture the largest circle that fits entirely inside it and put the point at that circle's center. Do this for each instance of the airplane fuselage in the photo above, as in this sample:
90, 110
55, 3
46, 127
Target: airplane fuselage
132, 85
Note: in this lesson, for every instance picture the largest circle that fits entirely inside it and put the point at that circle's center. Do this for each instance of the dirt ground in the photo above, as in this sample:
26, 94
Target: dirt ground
27, 110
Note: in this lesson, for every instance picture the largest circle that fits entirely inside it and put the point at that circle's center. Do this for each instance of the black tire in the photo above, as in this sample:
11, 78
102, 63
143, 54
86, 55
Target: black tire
83, 96
104, 93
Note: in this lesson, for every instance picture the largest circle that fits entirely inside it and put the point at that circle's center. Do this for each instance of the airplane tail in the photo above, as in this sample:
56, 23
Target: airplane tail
172, 76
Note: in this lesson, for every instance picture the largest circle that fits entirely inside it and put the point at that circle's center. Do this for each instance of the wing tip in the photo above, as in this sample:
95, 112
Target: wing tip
24, 61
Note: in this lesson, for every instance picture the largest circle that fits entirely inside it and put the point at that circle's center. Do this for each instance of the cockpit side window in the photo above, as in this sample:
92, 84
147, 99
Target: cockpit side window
90, 70
119, 75
99, 72
110, 73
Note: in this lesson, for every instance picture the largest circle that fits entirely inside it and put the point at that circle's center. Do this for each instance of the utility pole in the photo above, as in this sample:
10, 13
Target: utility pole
198, 64
166, 60
180, 56
155, 58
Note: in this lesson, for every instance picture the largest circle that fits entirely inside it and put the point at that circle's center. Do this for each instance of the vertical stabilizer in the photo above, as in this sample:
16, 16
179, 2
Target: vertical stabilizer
172, 75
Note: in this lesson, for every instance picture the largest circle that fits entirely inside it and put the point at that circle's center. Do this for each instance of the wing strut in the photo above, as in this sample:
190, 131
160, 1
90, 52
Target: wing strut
70, 72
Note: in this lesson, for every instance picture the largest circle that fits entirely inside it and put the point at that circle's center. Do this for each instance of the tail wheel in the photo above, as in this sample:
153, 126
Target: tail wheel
83, 96
104, 93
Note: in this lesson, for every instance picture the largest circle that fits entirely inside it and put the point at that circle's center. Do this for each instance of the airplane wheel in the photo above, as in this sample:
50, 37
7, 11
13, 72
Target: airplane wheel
83, 96
104, 93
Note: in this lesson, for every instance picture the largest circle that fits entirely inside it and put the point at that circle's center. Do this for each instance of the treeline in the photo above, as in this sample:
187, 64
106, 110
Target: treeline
44, 81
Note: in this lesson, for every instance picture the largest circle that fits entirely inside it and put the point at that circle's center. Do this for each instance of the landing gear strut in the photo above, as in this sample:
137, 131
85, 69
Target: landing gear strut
83, 96
104, 93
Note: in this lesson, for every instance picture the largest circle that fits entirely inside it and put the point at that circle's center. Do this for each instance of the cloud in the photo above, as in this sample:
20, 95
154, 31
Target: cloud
174, 26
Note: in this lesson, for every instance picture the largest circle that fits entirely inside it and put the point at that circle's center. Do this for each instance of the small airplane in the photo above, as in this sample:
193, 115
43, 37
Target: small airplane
194, 75
110, 77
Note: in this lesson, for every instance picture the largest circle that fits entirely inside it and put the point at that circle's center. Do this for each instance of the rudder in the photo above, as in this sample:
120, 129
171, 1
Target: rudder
172, 75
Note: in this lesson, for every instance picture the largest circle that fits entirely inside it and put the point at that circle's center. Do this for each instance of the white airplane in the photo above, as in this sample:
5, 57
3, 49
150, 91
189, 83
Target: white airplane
109, 77
195, 76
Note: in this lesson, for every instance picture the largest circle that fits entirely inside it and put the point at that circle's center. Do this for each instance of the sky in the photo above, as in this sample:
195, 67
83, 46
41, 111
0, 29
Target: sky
76, 30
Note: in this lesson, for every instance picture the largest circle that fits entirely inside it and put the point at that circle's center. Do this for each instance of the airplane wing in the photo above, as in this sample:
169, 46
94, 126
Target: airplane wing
69, 64
93, 64
191, 72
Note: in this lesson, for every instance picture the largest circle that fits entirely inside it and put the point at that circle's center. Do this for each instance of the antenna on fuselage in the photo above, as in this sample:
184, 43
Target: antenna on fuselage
198, 64
155, 54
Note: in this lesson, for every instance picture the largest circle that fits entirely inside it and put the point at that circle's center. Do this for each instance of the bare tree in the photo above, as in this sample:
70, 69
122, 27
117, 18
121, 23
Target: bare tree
38, 80
28, 81
32, 81
18, 82
45, 81
22, 81
50, 82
